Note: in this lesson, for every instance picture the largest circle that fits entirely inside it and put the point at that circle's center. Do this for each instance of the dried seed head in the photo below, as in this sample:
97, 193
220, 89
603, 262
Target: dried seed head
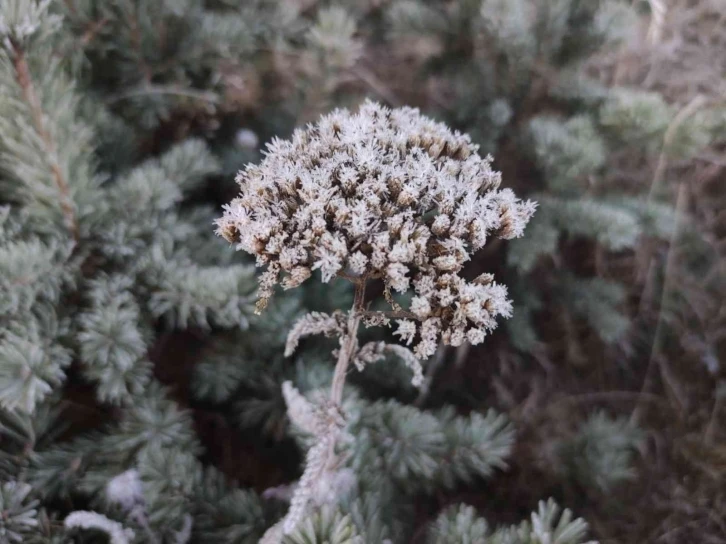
382, 193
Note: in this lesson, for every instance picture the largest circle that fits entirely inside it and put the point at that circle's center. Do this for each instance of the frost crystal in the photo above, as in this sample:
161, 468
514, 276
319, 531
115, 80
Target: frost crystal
321, 477
125, 489
313, 323
381, 194
372, 352
116, 532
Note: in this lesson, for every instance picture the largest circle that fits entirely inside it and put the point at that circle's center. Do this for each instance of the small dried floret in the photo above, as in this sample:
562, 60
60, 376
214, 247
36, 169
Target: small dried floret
406, 330
387, 194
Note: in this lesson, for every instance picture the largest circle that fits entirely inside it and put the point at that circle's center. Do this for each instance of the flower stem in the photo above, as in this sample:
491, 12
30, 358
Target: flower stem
349, 343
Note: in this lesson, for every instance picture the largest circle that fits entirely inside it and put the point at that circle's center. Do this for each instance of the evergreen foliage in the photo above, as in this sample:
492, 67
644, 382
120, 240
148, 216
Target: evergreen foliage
420, 450
326, 526
599, 455
19, 512
126, 326
547, 525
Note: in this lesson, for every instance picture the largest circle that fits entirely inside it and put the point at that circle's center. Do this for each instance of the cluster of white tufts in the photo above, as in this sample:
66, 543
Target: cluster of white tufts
116, 532
381, 194
125, 490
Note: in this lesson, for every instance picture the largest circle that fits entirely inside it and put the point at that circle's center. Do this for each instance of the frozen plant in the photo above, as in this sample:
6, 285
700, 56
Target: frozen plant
381, 194
116, 532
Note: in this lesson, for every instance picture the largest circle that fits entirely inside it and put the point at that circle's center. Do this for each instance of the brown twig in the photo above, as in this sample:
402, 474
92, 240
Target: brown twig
87, 37
708, 436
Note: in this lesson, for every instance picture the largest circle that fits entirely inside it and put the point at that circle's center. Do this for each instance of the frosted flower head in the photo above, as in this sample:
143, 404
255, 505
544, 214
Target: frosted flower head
383, 194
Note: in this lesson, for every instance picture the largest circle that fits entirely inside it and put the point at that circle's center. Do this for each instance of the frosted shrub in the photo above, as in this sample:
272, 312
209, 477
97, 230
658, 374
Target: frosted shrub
381, 194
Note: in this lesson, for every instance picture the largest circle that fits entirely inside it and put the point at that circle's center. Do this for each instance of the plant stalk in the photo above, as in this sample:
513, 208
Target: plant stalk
349, 343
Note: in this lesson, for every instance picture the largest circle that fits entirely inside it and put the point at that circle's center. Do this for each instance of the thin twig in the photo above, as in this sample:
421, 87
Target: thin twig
377, 85
93, 29
658, 11
717, 406
150, 89
599, 396
667, 288
132, 18
668, 138
88, 36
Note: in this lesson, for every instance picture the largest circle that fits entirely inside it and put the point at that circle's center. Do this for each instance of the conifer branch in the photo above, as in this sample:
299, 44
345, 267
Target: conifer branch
25, 81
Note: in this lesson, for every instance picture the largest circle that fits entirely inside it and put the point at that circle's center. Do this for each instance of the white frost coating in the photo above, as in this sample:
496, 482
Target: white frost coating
300, 410
125, 489
321, 476
386, 194
93, 520
313, 323
372, 352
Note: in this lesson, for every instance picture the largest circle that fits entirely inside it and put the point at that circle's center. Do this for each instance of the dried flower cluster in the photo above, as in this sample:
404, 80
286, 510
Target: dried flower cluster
381, 194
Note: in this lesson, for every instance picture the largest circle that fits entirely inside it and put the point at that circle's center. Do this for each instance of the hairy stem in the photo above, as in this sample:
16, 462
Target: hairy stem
349, 343
392, 314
